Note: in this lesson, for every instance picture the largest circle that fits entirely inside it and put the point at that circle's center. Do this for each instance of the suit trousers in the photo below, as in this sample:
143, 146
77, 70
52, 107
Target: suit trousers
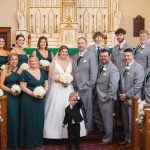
126, 117
106, 110
74, 135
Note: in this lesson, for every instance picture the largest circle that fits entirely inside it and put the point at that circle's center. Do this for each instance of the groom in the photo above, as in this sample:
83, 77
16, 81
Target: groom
85, 75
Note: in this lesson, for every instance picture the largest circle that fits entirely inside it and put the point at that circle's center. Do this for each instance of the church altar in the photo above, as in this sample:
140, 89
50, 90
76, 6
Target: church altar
63, 21
72, 51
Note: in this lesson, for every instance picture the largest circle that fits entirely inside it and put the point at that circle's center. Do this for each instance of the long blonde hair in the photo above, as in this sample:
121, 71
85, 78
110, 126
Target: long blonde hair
8, 66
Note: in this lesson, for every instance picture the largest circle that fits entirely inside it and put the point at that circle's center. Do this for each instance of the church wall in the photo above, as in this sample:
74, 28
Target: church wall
8, 17
130, 9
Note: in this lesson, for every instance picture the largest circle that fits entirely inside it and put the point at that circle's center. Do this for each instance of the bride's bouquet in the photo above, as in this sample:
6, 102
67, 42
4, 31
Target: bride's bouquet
1, 92
16, 89
39, 91
24, 66
44, 64
66, 78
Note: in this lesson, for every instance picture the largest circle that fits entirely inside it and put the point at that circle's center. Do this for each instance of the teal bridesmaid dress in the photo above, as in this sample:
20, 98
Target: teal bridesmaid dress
32, 113
3, 60
23, 58
13, 112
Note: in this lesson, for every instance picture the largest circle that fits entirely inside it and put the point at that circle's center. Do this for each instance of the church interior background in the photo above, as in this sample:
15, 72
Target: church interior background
63, 21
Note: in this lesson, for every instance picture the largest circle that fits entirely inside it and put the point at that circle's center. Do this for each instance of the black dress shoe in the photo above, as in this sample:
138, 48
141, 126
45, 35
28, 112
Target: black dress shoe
123, 143
104, 143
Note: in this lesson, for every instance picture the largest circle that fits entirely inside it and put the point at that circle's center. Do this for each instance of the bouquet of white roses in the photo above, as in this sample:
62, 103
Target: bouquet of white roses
1, 92
24, 66
66, 78
39, 91
44, 63
15, 88
3, 67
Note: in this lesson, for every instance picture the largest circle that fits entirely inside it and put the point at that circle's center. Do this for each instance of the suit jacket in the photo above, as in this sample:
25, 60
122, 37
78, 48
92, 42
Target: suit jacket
131, 82
107, 83
142, 56
85, 73
73, 114
117, 56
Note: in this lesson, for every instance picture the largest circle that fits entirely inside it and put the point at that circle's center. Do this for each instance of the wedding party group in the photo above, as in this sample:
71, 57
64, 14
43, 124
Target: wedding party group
66, 97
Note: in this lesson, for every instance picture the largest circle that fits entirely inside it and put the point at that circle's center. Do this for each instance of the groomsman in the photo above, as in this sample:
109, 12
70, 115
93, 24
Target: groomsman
85, 74
106, 87
117, 52
96, 49
142, 52
131, 82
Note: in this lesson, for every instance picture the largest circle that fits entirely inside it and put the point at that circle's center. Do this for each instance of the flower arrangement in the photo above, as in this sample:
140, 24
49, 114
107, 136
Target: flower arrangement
24, 66
39, 91
1, 92
141, 115
66, 78
3, 67
44, 63
16, 88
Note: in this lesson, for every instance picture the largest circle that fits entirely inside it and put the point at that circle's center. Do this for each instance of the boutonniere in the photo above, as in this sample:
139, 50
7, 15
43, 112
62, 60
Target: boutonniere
84, 60
104, 69
142, 46
127, 69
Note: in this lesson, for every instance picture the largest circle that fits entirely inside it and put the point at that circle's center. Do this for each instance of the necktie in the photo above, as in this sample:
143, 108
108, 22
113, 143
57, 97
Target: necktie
98, 52
101, 68
119, 49
78, 59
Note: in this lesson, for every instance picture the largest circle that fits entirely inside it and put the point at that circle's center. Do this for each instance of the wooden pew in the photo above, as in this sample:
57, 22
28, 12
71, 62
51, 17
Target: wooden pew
147, 127
3, 124
135, 136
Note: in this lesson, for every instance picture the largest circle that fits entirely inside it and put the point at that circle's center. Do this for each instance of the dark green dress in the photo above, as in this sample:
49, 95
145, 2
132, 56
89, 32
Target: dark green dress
38, 54
3, 60
23, 58
32, 113
13, 112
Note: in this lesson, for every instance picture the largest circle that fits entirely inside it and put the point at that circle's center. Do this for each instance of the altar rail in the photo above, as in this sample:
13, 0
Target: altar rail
3, 123
140, 138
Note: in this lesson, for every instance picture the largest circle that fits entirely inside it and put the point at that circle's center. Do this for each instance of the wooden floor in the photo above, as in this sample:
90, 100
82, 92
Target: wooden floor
90, 142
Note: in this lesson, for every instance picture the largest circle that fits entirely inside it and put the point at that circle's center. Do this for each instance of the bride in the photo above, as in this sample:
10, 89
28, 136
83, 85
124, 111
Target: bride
57, 97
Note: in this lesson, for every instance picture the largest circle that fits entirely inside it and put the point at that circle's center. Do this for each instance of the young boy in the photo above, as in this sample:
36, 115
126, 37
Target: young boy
73, 118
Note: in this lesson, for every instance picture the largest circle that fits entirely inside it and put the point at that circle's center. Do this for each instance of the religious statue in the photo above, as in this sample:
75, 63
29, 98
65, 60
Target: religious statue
21, 20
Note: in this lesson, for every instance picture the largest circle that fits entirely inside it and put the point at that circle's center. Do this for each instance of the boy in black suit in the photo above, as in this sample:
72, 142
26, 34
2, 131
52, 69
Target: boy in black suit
73, 118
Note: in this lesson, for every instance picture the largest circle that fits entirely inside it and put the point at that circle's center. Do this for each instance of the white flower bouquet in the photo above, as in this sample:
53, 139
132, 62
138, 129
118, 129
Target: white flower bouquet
39, 91
16, 88
44, 63
66, 78
24, 66
141, 115
3, 67
1, 92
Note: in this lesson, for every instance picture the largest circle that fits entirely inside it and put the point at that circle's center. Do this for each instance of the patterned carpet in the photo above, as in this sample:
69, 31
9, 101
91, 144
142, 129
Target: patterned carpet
90, 142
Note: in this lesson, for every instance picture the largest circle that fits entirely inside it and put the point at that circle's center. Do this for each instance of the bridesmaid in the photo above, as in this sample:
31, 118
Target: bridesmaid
3, 52
42, 51
32, 108
23, 58
9, 77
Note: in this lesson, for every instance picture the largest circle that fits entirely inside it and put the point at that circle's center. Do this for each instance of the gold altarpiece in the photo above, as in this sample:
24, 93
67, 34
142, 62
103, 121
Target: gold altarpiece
63, 21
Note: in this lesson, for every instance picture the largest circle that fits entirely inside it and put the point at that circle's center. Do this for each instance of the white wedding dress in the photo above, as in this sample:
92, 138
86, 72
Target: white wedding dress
56, 102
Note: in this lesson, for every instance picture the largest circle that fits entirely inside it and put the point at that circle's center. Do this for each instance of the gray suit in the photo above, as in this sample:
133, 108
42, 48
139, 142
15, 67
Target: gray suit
85, 75
96, 113
142, 56
131, 84
106, 87
117, 56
